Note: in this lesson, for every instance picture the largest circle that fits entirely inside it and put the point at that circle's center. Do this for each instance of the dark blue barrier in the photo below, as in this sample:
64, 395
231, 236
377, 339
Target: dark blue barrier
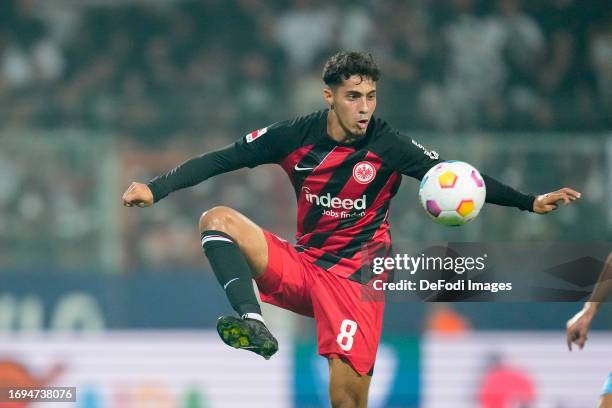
188, 299
165, 299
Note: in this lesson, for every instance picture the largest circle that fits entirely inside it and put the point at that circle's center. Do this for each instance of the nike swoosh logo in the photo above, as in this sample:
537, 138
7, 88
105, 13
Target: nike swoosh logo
227, 284
298, 168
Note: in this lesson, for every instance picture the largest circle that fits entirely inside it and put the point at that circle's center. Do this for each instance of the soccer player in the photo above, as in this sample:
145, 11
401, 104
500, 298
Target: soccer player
579, 325
345, 165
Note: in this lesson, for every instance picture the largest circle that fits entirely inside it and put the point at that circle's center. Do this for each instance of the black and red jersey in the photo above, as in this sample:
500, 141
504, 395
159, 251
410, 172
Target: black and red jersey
343, 191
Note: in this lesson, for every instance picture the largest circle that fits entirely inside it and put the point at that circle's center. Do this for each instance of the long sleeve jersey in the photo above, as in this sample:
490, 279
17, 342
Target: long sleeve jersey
343, 191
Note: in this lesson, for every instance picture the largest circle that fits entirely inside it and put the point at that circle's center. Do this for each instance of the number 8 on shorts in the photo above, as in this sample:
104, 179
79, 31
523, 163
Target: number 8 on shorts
348, 328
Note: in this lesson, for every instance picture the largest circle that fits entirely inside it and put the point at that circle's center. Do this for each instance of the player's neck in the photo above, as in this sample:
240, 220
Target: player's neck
337, 132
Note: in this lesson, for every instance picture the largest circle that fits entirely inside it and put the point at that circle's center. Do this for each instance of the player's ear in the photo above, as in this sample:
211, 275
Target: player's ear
328, 95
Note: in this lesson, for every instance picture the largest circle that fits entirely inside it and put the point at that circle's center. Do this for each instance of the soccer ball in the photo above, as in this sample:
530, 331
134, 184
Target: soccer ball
452, 193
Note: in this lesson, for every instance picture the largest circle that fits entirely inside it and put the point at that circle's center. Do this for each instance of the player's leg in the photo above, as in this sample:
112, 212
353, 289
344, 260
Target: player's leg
248, 236
347, 388
349, 323
237, 250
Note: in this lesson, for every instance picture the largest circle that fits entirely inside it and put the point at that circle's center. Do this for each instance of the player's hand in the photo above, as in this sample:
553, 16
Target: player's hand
546, 203
578, 327
138, 195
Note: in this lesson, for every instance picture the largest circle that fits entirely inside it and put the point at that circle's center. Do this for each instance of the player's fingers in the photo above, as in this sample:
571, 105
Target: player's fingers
571, 192
577, 337
131, 200
127, 193
568, 339
581, 338
566, 199
557, 196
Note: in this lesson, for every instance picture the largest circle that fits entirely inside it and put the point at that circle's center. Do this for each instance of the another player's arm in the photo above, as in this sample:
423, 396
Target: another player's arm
578, 326
243, 153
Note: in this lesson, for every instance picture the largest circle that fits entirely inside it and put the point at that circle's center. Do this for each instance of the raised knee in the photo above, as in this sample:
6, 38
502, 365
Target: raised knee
218, 218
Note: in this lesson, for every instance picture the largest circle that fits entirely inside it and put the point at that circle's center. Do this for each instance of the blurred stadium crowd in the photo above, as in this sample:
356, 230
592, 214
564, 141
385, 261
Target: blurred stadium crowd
154, 70
159, 81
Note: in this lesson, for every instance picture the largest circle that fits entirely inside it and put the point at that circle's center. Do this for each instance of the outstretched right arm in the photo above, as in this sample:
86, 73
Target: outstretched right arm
200, 168
250, 151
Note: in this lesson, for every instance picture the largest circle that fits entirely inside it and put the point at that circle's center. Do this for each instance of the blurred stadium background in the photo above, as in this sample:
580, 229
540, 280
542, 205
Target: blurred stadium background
121, 303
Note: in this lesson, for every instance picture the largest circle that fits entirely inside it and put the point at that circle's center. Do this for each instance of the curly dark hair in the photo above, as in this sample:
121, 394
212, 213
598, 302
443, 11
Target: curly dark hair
343, 65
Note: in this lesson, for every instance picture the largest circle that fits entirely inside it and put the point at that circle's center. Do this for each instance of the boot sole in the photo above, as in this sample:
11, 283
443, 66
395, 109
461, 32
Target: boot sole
235, 334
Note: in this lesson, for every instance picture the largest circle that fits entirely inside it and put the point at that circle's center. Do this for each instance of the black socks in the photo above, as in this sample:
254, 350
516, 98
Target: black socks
232, 271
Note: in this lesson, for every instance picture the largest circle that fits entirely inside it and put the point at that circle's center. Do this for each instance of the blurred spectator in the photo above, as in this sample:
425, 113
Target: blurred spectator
601, 59
475, 73
405, 51
524, 51
154, 70
305, 30
355, 25
28, 56
255, 93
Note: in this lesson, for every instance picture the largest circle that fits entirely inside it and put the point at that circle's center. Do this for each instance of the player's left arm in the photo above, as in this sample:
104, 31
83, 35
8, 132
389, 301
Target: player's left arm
411, 158
502, 194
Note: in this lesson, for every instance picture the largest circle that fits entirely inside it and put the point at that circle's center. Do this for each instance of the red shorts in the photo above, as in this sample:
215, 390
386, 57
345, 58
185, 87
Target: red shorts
348, 317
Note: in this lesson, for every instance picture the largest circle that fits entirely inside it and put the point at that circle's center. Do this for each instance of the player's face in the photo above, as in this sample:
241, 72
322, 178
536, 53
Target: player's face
353, 103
